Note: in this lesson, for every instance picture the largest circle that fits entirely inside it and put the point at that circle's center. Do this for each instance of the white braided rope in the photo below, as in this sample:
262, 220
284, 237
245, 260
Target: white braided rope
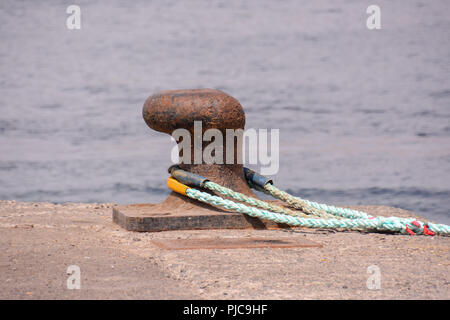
379, 223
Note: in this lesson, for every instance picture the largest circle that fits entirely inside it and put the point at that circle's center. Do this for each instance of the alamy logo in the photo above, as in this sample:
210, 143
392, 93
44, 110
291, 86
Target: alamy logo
74, 280
211, 147
374, 281
374, 20
73, 22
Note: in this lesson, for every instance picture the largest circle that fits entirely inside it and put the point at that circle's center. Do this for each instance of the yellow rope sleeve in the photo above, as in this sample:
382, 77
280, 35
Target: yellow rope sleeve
176, 186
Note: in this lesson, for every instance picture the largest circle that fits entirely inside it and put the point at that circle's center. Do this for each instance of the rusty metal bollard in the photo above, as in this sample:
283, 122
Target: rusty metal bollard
167, 111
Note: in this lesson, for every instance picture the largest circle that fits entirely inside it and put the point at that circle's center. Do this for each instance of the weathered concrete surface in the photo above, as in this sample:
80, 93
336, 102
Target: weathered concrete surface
39, 241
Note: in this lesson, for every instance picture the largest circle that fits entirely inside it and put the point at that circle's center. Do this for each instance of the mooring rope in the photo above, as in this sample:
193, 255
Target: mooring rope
307, 211
297, 202
316, 215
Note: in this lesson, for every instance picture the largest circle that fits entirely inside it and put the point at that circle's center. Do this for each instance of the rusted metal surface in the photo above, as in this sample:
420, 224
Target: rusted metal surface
234, 243
166, 111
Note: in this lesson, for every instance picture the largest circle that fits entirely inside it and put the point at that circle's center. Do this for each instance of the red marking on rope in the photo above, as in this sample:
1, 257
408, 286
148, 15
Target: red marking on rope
427, 231
409, 231
416, 223
372, 218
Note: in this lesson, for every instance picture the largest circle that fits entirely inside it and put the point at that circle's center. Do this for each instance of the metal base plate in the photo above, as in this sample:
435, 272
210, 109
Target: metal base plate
143, 218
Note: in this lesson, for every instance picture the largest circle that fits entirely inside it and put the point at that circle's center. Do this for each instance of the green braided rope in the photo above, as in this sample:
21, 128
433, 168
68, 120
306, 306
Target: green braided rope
262, 204
306, 206
349, 213
313, 215
297, 202
379, 223
301, 205
439, 228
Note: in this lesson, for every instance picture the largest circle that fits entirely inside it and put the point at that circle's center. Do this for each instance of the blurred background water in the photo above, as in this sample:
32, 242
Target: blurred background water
363, 115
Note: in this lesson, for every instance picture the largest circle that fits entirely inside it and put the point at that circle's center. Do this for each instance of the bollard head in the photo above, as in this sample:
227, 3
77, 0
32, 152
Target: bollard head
166, 111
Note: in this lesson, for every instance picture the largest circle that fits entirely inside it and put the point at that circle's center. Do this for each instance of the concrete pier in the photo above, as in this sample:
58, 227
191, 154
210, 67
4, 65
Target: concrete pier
39, 241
